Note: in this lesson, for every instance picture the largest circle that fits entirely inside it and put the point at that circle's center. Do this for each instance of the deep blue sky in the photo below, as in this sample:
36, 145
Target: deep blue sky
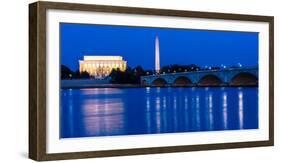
177, 46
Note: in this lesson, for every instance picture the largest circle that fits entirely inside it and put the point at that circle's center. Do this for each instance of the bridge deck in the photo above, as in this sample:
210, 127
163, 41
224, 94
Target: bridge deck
232, 76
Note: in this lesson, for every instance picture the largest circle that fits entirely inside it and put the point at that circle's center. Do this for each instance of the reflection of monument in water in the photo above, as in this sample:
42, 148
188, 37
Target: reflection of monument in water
101, 66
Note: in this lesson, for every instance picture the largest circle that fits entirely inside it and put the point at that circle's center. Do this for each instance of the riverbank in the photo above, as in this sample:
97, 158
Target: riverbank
85, 83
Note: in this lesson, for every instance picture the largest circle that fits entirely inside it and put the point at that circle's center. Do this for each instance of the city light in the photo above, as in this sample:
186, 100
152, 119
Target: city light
101, 66
102, 58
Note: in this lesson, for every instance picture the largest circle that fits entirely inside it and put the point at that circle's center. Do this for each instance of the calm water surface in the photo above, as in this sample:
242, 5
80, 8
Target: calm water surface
130, 111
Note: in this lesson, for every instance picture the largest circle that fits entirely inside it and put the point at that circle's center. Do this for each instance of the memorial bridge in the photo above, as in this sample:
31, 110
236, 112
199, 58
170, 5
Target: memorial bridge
244, 76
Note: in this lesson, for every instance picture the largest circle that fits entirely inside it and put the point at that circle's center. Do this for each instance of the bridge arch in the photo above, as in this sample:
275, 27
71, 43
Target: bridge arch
159, 82
144, 82
210, 80
244, 78
182, 81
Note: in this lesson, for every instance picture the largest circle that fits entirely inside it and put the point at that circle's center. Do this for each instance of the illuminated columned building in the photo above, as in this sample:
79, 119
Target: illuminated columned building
101, 66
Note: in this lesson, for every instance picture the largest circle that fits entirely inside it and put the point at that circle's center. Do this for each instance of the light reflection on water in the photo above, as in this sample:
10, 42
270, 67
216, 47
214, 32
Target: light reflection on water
103, 117
129, 111
241, 109
224, 109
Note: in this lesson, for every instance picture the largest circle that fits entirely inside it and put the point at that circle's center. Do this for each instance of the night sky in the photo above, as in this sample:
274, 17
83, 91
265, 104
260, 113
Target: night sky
177, 46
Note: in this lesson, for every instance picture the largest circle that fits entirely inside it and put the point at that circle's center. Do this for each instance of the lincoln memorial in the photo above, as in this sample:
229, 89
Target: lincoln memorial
101, 66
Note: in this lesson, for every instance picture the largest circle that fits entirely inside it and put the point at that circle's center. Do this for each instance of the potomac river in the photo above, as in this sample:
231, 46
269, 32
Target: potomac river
87, 112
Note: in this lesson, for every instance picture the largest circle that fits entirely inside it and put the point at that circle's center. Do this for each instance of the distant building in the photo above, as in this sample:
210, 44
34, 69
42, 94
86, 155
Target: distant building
101, 66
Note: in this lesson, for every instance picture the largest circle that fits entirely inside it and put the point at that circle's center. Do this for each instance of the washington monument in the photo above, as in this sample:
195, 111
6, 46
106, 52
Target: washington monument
157, 55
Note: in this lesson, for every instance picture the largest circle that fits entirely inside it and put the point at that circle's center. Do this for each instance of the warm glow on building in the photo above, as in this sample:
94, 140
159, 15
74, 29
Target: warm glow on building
101, 66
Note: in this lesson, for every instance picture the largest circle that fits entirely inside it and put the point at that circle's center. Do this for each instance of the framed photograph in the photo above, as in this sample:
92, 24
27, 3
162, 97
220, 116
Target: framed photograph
112, 81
